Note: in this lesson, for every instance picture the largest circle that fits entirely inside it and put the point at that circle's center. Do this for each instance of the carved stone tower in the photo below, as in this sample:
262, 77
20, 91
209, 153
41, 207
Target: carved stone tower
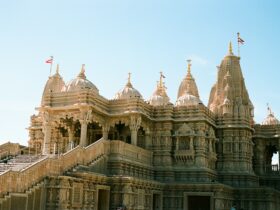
230, 102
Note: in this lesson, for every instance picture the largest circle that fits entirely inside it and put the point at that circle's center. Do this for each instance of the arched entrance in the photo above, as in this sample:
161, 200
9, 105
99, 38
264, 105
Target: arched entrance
120, 132
94, 132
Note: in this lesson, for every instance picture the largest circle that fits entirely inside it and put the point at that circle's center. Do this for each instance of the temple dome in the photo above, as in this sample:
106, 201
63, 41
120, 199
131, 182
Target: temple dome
188, 100
80, 83
270, 119
128, 92
159, 97
54, 84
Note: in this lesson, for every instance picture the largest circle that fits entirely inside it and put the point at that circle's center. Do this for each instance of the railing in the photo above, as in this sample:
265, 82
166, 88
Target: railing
19, 181
272, 169
54, 165
131, 152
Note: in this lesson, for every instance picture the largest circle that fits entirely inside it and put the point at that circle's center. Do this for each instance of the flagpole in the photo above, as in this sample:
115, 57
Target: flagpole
51, 65
238, 37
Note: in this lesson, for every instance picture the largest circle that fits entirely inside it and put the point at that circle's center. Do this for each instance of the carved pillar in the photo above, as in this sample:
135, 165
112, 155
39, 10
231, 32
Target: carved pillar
83, 138
260, 157
200, 158
191, 143
177, 142
47, 138
105, 131
210, 145
148, 140
84, 119
47, 133
135, 123
71, 137
64, 194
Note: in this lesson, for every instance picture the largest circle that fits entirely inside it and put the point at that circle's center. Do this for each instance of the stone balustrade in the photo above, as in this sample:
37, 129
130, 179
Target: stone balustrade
53, 165
20, 181
131, 152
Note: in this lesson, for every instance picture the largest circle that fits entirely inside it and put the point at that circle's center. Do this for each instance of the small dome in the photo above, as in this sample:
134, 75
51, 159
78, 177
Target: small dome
159, 97
80, 83
128, 92
270, 119
54, 84
158, 100
188, 100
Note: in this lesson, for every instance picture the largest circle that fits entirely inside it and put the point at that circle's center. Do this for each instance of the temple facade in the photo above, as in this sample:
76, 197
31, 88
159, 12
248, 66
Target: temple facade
88, 152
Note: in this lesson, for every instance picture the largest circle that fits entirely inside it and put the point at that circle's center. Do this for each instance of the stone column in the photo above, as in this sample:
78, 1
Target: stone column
148, 140
83, 138
135, 123
105, 131
191, 143
177, 143
47, 138
64, 194
134, 137
85, 117
200, 158
47, 132
71, 137
210, 145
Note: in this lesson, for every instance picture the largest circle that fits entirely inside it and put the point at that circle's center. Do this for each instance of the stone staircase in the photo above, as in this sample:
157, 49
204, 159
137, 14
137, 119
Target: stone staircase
23, 178
98, 165
32, 199
19, 162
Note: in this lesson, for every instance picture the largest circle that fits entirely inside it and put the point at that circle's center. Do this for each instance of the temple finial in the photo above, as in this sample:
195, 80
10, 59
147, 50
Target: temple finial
230, 49
189, 67
57, 69
82, 72
83, 69
128, 84
129, 77
268, 109
161, 79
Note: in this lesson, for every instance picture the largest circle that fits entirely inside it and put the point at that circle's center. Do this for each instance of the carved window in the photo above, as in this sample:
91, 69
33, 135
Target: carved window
184, 143
77, 194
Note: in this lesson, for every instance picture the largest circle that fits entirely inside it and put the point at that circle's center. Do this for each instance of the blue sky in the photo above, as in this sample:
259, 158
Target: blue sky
142, 37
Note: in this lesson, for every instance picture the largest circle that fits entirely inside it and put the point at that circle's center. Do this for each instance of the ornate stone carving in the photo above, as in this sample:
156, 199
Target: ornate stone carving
184, 130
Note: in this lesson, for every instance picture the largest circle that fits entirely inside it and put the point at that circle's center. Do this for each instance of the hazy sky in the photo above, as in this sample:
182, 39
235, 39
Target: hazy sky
142, 37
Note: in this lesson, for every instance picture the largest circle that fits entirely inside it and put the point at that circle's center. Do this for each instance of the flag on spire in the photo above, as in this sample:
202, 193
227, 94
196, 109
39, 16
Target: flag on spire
50, 60
239, 39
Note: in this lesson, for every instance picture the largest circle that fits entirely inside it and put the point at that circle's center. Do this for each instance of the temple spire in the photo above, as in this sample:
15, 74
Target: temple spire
230, 49
188, 84
160, 97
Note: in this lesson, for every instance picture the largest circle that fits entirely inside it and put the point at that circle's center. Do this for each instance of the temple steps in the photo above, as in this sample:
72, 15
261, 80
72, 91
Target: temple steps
32, 199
